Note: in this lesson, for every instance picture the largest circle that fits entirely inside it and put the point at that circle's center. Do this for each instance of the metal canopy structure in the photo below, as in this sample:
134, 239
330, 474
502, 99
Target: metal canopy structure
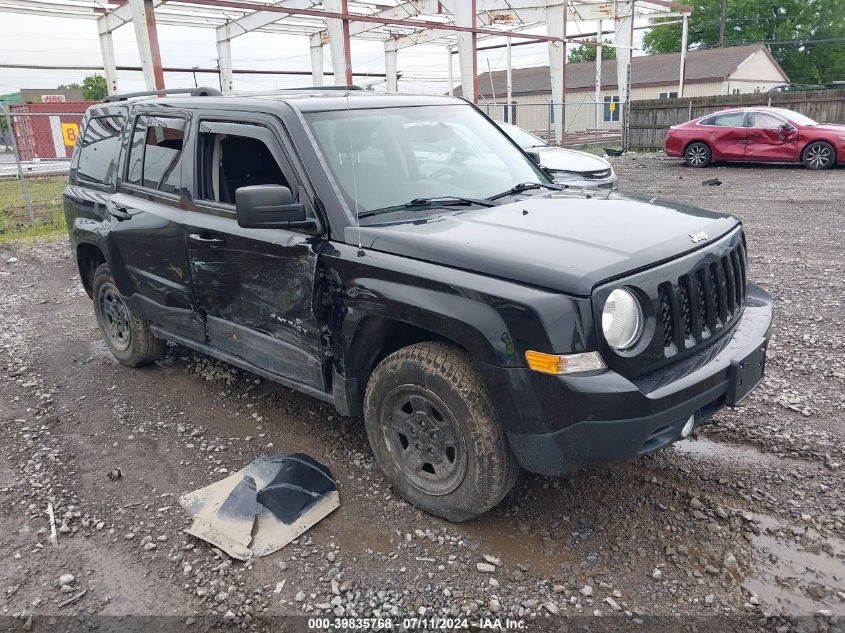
455, 24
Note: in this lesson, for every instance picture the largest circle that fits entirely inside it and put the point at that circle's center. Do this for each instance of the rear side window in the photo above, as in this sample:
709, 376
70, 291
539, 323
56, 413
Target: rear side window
732, 119
99, 148
155, 156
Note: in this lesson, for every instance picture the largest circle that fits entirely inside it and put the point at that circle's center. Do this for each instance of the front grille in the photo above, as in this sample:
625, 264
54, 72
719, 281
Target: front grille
703, 302
595, 175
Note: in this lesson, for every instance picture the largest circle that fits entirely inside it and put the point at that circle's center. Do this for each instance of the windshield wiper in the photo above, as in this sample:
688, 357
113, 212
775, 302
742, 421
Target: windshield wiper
525, 186
427, 203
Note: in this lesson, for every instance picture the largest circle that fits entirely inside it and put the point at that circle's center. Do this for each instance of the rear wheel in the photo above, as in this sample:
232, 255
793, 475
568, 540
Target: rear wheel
433, 432
697, 154
128, 337
819, 155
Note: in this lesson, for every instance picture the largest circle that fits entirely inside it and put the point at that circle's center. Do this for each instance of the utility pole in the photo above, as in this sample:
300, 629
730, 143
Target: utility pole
722, 22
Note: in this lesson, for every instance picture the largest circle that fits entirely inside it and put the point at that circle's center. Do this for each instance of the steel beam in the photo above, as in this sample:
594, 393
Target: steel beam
316, 64
556, 27
109, 63
143, 19
684, 39
224, 61
465, 16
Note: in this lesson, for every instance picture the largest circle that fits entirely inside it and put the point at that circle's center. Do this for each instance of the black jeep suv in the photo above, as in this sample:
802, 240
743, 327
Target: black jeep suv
401, 258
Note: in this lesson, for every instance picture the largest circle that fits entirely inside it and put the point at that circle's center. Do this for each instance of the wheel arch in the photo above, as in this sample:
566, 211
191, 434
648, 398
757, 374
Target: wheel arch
88, 258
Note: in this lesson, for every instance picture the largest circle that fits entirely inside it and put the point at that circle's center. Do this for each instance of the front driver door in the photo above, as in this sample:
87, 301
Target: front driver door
254, 286
770, 138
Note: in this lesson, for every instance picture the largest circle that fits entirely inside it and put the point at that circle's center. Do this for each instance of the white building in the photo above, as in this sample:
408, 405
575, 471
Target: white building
714, 71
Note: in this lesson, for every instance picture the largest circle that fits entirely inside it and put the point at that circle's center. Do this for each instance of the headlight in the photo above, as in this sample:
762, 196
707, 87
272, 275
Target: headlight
622, 319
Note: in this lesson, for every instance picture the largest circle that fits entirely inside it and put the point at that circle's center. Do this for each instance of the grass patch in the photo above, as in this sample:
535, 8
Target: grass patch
46, 196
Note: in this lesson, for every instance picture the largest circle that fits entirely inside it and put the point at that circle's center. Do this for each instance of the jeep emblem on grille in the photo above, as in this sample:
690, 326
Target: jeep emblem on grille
701, 236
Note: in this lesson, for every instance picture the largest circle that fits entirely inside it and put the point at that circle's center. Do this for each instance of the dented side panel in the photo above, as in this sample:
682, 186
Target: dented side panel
256, 290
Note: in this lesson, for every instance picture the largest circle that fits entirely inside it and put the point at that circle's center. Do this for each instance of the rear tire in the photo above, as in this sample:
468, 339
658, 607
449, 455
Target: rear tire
819, 155
698, 154
434, 434
129, 338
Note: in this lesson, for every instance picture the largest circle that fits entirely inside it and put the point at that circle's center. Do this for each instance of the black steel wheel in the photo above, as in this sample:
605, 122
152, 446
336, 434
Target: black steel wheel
424, 439
128, 337
434, 434
114, 316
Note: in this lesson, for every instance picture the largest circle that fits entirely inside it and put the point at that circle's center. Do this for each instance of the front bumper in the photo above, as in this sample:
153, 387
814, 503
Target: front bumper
558, 424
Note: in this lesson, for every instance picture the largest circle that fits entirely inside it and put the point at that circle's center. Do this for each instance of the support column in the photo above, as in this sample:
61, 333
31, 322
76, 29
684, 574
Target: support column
509, 80
449, 50
317, 60
339, 42
556, 27
143, 20
391, 56
109, 64
684, 38
599, 109
624, 37
467, 49
146, 35
224, 61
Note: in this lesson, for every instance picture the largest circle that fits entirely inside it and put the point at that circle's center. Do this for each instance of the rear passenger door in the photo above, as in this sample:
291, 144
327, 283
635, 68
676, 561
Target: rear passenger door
727, 135
149, 257
254, 286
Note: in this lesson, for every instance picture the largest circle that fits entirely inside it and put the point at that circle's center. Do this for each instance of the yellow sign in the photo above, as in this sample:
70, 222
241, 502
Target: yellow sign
612, 106
69, 133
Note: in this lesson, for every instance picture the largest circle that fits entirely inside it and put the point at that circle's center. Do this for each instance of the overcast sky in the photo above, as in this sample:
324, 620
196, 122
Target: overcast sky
63, 41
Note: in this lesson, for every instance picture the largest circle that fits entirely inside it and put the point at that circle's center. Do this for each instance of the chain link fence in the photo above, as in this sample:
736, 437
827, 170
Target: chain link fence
585, 124
36, 142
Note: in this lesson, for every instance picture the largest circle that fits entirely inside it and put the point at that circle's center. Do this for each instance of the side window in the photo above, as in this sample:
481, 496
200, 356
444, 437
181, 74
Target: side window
155, 157
98, 149
764, 121
734, 119
230, 161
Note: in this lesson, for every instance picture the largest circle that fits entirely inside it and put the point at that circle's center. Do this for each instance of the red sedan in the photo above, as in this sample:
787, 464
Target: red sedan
757, 134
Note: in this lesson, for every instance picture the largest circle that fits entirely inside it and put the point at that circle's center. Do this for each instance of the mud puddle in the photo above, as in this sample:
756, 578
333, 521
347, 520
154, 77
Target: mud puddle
738, 454
798, 575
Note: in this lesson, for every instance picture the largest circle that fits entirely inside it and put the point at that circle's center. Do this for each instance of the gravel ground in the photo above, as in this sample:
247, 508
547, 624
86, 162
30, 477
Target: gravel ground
743, 521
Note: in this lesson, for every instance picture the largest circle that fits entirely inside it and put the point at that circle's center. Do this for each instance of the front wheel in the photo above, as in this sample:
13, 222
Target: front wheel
819, 155
434, 434
697, 154
129, 338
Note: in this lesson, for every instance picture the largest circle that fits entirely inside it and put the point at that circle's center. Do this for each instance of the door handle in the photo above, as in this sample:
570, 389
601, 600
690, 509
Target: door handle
119, 213
205, 238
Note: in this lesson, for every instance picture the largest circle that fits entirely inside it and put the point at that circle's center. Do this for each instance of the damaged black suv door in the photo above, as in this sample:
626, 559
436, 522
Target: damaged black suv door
254, 286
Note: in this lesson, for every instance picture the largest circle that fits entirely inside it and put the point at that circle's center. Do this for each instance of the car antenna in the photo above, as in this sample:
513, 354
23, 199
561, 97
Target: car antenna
354, 179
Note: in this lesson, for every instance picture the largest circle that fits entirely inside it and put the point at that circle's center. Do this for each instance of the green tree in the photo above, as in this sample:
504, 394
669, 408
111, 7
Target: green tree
807, 37
588, 53
94, 88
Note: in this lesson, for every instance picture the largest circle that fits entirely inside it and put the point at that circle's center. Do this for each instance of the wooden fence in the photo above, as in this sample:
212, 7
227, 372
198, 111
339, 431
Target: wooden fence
650, 120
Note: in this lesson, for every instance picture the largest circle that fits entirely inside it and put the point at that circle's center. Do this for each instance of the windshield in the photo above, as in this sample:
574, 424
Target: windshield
390, 156
796, 117
521, 137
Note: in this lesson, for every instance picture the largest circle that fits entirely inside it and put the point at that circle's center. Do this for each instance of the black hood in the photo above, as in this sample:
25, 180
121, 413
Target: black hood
562, 242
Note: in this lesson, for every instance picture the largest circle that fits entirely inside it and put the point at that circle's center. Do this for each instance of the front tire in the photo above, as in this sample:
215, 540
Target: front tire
128, 338
698, 154
434, 434
819, 155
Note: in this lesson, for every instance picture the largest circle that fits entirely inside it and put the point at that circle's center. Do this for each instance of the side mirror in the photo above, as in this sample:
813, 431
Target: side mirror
786, 127
535, 156
268, 207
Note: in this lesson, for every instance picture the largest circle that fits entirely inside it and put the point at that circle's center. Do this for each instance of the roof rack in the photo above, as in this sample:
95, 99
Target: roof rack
194, 92
321, 88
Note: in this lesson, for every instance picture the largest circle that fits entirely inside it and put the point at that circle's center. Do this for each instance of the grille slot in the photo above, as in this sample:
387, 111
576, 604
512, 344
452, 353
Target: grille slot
702, 303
